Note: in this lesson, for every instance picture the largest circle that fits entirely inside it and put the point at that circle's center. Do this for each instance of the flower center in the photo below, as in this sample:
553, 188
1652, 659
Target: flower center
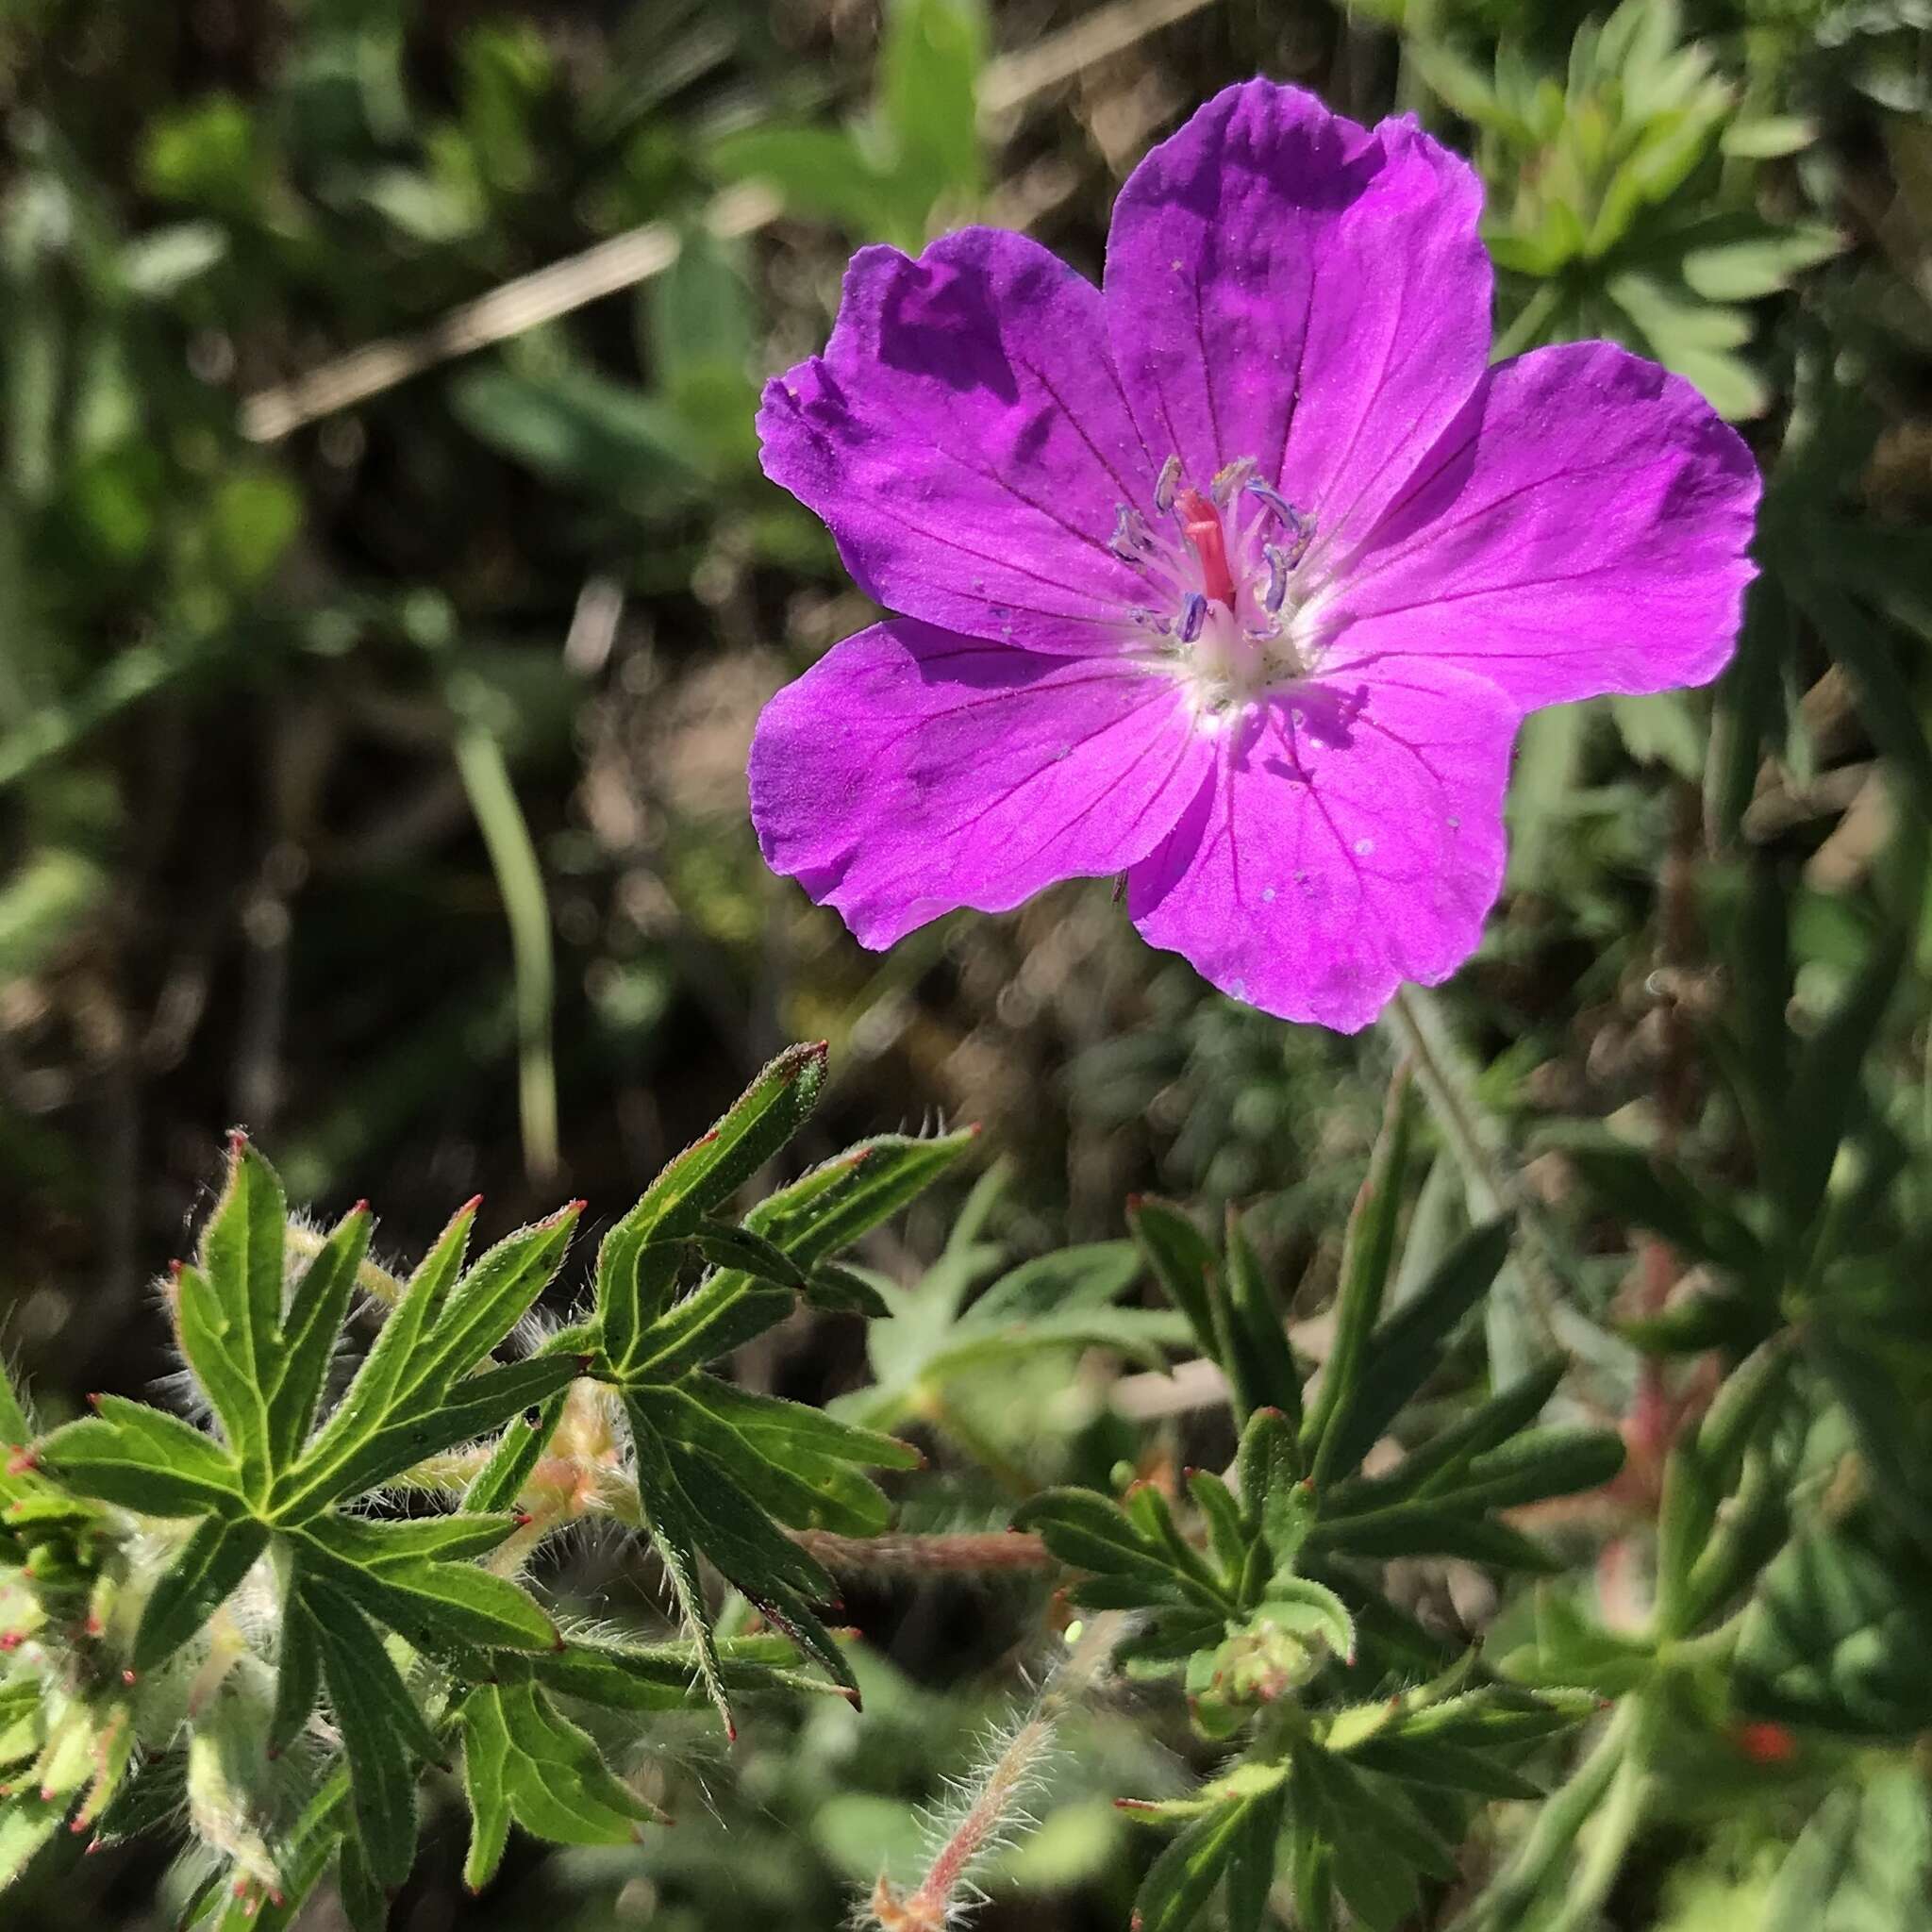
1224, 585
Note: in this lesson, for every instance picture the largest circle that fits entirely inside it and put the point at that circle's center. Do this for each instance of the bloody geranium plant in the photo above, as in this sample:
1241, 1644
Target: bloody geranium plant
1234, 575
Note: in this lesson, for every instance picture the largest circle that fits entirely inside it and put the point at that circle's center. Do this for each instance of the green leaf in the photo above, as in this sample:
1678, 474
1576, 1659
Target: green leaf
1757, 263
1267, 1471
929, 67
1884, 698
1862, 1864
1765, 137
662, 1677
26, 1823
1182, 1879
1432, 1763
586, 432
1380, 1841
700, 311
749, 1254
722, 1312
1089, 1276
486, 1784
731, 1527
212, 1562
1250, 1874
1435, 1465
441, 1607
242, 1256
1090, 1533
790, 1437
1534, 1465
523, 1759
494, 1295
1429, 1529
229, 1379
840, 1291
1701, 1470
1182, 1260
477, 1405
298, 1674
383, 1732
1366, 1257
501, 1480
1260, 1352
1837, 1634
1645, 1192
365, 1904
15, 1430
825, 1211
1227, 1536
819, 171
1827, 1094
317, 1312
143, 1459
762, 1120
1494, 1715
1407, 1349
370, 1397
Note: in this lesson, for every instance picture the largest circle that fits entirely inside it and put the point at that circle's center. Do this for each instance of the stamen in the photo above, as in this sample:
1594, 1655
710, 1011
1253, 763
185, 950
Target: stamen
1230, 479
1301, 528
1201, 527
1131, 539
1166, 484
1278, 568
1194, 615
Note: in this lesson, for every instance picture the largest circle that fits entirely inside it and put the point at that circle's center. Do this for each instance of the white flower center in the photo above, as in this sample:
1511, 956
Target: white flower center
1227, 586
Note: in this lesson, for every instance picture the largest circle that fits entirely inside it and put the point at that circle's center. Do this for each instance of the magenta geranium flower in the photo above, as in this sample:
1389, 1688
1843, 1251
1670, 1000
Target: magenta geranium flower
1235, 575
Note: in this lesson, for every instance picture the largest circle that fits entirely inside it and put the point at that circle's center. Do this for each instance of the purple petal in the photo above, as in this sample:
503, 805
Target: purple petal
965, 438
912, 770
1353, 840
1285, 285
1582, 530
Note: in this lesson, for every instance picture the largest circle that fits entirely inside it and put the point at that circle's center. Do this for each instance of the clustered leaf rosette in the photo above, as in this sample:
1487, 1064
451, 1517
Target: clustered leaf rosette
1234, 575
264, 1626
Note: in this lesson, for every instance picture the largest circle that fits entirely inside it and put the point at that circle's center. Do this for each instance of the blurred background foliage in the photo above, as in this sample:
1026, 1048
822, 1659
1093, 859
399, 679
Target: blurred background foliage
387, 587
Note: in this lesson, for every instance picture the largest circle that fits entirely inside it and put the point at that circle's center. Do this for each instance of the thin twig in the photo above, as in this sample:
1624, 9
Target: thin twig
1108, 31
638, 253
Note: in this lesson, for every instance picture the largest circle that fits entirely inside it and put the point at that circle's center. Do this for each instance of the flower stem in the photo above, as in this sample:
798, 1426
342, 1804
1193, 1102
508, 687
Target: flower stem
374, 1280
1474, 1140
994, 1809
998, 1551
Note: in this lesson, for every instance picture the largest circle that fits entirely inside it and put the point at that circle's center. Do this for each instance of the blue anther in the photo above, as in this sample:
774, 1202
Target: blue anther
1278, 568
1168, 482
1131, 538
1194, 615
1301, 528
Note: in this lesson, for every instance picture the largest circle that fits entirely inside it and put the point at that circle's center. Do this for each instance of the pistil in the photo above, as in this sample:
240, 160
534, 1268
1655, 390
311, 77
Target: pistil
1201, 527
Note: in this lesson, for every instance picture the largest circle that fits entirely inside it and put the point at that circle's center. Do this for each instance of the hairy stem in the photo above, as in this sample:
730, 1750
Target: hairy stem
992, 1809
